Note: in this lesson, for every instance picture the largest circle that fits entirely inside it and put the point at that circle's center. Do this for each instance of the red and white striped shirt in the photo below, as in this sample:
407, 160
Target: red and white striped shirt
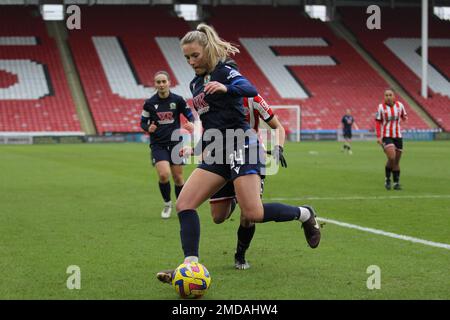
390, 116
256, 108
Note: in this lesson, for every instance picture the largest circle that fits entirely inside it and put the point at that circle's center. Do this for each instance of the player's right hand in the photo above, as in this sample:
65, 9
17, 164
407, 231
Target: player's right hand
186, 151
189, 126
152, 127
380, 141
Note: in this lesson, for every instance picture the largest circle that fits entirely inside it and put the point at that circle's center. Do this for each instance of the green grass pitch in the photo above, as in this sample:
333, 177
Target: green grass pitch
98, 206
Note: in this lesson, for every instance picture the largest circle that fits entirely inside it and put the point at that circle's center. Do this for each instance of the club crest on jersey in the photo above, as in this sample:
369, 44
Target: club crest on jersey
206, 79
173, 105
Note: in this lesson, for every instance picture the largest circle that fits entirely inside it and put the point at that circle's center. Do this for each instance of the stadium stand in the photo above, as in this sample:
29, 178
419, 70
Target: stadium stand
400, 32
117, 56
350, 83
41, 100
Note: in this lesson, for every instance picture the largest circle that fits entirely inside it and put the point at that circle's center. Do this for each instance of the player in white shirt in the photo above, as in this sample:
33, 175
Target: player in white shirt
389, 135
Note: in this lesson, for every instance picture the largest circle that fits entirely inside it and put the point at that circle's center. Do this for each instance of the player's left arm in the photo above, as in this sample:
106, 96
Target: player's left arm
280, 136
266, 113
233, 84
241, 87
403, 113
276, 125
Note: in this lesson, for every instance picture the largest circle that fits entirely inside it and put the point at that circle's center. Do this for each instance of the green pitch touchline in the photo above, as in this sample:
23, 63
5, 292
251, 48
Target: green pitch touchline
387, 234
427, 196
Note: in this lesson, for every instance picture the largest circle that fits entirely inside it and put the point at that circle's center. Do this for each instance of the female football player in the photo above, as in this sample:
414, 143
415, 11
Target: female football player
160, 118
224, 201
389, 135
347, 122
217, 94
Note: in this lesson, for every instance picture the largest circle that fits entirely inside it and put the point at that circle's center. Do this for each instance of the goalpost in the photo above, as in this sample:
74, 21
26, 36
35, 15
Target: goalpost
289, 116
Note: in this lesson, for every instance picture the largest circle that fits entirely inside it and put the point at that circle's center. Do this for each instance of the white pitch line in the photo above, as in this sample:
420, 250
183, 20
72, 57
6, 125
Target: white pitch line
428, 196
387, 234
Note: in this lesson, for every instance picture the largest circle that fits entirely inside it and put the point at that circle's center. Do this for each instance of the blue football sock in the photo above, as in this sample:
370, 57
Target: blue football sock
178, 190
279, 212
245, 236
189, 232
165, 191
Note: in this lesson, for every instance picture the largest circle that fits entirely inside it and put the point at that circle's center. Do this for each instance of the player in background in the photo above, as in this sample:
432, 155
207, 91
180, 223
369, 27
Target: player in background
217, 91
160, 118
389, 135
223, 202
347, 122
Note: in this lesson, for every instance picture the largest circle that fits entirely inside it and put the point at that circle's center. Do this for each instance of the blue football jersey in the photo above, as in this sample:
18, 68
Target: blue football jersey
165, 113
222, 110
347, 121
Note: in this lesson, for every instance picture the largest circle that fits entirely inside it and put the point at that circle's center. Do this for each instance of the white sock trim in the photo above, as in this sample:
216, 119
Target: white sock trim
191, 259
305, 214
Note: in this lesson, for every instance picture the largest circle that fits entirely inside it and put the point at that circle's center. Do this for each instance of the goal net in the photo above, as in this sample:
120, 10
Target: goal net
289, 116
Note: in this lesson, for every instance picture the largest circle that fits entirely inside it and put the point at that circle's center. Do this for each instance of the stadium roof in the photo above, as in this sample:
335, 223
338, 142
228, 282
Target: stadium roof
392, 3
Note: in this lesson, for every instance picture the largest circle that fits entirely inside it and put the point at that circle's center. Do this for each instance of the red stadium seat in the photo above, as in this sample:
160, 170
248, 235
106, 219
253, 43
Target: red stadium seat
352, 83
405, 23
347, 81
54, 111
135, 32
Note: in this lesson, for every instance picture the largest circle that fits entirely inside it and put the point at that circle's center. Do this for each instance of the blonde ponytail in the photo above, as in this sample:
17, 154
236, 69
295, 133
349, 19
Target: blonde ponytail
216, 49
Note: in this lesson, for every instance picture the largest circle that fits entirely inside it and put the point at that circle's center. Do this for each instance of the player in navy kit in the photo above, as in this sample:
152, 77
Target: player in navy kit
347, 122
218, 90
160, 118
224, 202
